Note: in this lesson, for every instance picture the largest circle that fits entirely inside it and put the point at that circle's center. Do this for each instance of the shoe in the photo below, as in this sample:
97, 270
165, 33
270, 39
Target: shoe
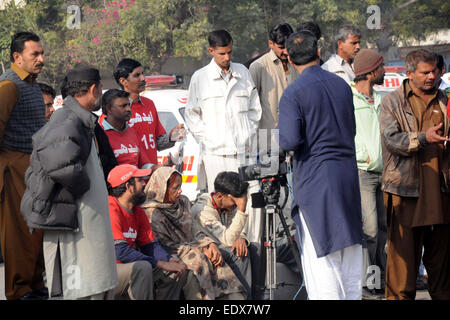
372, 294
41, 293
29, 296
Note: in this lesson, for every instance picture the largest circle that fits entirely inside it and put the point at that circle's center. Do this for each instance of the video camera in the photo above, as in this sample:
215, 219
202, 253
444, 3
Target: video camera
271, 171
272, 165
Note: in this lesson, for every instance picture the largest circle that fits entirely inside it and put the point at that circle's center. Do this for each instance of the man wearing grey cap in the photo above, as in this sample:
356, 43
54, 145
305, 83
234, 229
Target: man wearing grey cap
369, 71
66, 195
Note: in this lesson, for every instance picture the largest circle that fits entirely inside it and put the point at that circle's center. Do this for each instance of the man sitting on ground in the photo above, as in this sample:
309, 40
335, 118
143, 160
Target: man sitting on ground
222, 217
150, 272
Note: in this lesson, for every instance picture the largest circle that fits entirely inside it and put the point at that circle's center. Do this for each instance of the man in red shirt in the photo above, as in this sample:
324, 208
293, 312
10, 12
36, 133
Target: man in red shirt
145, 270
129, 74
124, 141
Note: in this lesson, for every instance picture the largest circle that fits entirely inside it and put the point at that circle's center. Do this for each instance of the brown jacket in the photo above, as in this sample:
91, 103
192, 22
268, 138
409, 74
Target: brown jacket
401, 141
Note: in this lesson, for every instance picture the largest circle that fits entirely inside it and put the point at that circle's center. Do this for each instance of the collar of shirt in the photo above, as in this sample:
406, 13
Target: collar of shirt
107, 126
341, 61
217, 72
138, 100
355, 91
220, 210
273, 57
21, 73
409, 92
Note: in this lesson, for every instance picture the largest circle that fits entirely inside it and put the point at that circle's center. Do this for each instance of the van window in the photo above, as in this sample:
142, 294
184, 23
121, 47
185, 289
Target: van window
167, 119
181, 110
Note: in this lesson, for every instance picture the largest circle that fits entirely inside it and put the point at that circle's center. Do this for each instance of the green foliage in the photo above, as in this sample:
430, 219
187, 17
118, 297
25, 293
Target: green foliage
151, 31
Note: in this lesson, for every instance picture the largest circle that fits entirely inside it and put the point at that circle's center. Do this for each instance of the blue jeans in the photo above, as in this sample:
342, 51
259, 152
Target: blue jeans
374, 218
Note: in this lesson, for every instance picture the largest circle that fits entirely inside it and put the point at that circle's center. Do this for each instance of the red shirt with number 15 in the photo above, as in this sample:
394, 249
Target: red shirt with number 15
145, 121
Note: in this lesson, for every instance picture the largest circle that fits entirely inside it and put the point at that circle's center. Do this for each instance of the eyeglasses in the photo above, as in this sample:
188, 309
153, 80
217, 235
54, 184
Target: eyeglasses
49, 105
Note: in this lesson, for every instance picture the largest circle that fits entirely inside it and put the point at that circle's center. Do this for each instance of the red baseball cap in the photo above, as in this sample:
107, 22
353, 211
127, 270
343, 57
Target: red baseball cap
124, 172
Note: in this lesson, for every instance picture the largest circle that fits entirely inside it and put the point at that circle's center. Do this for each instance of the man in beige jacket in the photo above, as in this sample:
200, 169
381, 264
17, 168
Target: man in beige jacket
222, 217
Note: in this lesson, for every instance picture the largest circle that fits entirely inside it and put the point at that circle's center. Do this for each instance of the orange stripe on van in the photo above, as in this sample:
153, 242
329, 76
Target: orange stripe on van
189, 179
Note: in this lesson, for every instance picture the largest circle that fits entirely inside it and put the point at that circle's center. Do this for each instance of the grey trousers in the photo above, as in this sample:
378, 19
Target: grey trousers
374, 221
246, 269
140, 281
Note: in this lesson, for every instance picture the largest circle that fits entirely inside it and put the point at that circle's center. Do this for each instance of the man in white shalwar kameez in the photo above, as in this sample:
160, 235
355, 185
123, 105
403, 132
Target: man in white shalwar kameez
222, 112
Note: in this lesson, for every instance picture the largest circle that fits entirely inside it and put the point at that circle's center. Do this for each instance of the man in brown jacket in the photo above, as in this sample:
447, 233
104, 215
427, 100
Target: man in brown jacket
416, 157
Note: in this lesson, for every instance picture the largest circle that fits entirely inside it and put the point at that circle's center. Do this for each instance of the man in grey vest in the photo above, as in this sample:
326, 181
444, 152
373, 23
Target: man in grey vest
22, 113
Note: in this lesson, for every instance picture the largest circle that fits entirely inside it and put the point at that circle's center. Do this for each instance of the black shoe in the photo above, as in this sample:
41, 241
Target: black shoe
41, 293
29, 296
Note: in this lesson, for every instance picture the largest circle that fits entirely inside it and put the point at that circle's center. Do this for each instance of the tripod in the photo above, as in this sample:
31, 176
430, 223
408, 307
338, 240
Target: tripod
271, 191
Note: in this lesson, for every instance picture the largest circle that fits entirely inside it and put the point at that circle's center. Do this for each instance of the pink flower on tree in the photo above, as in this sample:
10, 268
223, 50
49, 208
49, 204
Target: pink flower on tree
96, 39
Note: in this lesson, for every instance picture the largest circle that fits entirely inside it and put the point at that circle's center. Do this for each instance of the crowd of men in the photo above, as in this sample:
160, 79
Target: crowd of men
84, 201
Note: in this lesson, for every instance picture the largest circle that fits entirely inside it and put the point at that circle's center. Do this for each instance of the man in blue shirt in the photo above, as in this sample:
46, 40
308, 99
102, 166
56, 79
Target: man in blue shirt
317, 122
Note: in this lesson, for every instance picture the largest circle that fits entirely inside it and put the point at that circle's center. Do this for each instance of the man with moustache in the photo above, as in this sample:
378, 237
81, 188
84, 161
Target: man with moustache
22, 113
347, 46
369, 71
48, 94
129, 75
66, 195
271, 74
124, 141
416, 180
145, 270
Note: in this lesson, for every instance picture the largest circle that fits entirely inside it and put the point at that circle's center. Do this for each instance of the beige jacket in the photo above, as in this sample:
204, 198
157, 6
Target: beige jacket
224, 228
270, 81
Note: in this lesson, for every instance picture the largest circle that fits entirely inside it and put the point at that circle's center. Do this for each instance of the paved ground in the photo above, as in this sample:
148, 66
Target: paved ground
421, 295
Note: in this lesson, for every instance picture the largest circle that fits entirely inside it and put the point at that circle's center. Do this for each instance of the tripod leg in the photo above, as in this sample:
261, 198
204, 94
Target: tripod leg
292, 244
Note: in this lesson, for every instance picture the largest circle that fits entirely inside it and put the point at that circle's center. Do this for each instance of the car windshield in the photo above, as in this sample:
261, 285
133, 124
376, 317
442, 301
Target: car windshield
167, 119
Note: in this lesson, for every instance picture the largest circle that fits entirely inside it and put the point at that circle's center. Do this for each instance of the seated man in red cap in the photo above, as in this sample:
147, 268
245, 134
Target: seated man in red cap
141, 261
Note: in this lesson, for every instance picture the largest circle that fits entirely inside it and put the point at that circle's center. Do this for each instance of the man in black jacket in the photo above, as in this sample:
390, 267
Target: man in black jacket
66, 195
105, 152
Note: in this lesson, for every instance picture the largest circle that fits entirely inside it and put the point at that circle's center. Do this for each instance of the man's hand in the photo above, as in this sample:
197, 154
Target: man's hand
213, 254
177, 267
241, 202
432, 135
240, 245
180, 128
368, 160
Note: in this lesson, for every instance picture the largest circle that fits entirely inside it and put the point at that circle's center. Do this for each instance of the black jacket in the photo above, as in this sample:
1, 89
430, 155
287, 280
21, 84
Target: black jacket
56, 176
105, 152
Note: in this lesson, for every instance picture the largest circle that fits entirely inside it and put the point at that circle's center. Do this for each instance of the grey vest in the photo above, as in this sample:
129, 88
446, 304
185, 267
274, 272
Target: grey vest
27, 117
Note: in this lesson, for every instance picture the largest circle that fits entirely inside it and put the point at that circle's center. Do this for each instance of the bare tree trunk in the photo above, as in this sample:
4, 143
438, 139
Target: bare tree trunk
3, 67
385, 41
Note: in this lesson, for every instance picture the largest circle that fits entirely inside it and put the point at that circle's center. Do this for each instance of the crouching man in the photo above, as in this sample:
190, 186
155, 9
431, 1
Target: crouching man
148, 272
222, 217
